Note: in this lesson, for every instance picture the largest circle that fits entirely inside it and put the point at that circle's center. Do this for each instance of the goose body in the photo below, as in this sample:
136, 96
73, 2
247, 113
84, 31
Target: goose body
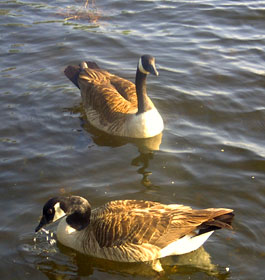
116, 105
132, 230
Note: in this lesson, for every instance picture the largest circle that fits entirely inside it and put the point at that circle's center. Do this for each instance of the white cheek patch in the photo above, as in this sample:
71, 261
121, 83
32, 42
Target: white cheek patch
141, 68
59, 213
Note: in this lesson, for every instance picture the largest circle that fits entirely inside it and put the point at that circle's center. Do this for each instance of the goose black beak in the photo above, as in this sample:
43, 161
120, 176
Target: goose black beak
153, 70
42, 223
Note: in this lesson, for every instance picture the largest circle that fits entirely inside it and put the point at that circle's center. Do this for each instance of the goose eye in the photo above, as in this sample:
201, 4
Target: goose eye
49, 211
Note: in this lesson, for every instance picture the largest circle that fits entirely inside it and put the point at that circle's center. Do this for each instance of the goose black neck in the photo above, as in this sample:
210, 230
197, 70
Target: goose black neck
78, 212
143, 102
78, 220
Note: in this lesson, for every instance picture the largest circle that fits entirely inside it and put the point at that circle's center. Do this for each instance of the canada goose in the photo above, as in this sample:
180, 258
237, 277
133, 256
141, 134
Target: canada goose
116, 105
132, 230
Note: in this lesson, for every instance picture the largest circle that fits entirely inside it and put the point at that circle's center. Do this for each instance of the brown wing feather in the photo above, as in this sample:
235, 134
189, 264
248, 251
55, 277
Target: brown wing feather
99, 92
125, 88
188, 221
100, 83
120, 222
137, 222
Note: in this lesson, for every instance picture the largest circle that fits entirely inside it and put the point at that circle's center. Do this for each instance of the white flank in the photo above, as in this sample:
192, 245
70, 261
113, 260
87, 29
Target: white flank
185, 244
144, 125
59, 213
141, 68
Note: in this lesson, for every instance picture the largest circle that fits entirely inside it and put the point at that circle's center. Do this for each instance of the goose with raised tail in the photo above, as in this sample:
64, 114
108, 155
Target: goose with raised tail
132, 230
116, 105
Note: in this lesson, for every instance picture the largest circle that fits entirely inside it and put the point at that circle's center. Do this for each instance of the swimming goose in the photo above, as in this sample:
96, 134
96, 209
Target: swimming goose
132, 230
115, 105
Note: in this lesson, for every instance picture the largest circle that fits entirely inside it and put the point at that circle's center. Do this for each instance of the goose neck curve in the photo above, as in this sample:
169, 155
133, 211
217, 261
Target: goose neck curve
142, 98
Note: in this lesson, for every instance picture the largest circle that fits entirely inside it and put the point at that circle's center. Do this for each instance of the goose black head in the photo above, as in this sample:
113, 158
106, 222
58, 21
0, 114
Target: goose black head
76, 208
146, 65
52, 211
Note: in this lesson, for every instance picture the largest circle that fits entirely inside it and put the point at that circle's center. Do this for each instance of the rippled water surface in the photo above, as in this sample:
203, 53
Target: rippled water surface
210, 93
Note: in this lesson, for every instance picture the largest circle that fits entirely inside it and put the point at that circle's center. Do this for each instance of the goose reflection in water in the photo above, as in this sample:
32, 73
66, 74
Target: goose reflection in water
146, 146
75, 265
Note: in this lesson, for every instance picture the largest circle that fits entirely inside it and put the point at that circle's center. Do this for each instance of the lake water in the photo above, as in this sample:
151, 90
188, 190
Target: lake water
210, 93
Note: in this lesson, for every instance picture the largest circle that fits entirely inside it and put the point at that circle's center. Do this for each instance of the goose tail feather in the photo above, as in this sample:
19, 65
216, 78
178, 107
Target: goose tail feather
92, 65
219, 222
72, 73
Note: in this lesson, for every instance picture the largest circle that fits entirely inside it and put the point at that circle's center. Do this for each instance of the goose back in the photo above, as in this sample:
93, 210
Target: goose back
111, 102
134, 231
